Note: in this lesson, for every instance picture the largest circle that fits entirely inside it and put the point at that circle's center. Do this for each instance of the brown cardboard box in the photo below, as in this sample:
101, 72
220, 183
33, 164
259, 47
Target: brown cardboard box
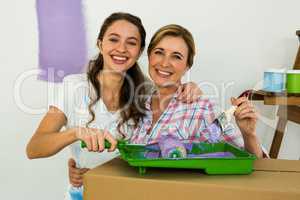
272, 180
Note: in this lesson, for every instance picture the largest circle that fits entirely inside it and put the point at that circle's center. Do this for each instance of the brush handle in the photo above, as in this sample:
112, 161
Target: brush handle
107, 144
230, 111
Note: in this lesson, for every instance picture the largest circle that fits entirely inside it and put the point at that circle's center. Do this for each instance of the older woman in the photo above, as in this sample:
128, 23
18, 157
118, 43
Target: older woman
170, 53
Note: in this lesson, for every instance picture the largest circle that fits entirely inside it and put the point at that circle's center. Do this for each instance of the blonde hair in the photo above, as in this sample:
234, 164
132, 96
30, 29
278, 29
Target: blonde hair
176, 31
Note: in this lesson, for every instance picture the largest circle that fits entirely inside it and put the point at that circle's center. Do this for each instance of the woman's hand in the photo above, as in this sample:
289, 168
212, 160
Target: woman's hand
189, 92
94, 138
245, 116
76, 174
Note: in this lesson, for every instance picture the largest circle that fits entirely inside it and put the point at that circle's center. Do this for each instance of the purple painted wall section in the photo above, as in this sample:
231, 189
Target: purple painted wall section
62, 38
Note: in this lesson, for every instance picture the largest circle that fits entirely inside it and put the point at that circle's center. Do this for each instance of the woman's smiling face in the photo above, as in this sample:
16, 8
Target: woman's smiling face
168, 61
121, 46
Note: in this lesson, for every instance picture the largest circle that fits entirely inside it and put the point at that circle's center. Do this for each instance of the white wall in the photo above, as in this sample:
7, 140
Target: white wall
236, 41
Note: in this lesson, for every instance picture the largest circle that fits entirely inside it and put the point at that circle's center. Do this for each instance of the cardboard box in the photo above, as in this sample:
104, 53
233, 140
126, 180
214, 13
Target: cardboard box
272, 180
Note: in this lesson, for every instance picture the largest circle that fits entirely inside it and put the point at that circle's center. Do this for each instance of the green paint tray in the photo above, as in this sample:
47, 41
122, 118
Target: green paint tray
240, 163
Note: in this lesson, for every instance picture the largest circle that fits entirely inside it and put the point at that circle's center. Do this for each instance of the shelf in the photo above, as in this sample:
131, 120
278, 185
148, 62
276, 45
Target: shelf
282, 100
275, 98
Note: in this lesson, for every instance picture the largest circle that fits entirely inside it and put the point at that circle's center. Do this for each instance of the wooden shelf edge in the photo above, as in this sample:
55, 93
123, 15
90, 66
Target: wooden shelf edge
282, 100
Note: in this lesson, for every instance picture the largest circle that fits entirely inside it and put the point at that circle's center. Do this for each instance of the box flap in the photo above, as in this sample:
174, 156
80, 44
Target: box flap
277, 165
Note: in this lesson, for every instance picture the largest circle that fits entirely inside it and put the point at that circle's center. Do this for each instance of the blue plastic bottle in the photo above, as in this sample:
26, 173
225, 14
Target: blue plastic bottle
76, 193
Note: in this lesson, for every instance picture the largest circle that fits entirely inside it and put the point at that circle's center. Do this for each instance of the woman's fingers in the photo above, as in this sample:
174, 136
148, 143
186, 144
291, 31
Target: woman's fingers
74, 172
111, 140
190, 92
238, 101
193, 97
248, 115
179, 90
185, 89
88, 143
185, 96
246, 110
76, 175
84, 134
76, 181
94, 139
77, 184
245, 107
84, 170
100, 139
71, 163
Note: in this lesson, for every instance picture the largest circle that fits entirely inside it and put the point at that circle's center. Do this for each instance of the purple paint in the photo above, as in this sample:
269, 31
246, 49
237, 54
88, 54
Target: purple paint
167, 145
152, 147
152, 154
62, 39
212, 155
214, 131
188, 146
172, 147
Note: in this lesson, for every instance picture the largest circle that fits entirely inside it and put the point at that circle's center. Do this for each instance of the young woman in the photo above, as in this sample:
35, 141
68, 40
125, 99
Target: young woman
99, 104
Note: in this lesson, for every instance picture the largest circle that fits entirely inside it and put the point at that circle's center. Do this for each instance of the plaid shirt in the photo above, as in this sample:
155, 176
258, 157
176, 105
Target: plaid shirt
184, 121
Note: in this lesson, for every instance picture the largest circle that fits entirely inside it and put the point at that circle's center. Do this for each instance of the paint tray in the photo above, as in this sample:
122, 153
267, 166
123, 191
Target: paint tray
241, 162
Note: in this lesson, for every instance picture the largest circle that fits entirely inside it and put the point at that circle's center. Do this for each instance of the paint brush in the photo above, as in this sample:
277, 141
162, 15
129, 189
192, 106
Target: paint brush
221, 122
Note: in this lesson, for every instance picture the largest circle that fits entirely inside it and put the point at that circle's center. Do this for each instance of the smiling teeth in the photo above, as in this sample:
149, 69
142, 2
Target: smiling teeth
119, 58
164, 73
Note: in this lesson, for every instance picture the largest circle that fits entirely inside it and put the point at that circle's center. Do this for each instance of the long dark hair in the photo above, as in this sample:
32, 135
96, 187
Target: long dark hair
134, 76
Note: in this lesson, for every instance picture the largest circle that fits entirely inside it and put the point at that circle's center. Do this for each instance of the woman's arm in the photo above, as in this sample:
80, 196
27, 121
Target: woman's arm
47, 139
252, 145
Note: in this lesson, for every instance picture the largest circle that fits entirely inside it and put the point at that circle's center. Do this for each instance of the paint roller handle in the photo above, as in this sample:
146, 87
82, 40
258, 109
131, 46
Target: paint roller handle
107, 145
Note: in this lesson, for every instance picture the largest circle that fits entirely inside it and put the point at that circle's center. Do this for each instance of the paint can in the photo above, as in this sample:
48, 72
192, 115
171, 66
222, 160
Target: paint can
274, 80
293, 81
